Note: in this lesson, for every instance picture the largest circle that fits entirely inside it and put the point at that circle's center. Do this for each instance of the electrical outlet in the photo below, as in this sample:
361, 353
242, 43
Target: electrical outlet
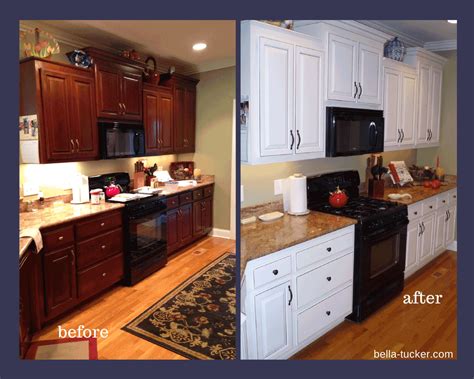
242, 193
278, 187
30, 188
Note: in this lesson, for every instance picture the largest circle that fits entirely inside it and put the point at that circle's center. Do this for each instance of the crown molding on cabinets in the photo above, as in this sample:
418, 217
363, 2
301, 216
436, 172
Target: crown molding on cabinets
441, 45
391, 32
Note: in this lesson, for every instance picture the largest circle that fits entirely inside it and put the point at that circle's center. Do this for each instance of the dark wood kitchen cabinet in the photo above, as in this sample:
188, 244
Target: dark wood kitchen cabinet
179, 227
118, 86
202, 217
63, 98
158, 119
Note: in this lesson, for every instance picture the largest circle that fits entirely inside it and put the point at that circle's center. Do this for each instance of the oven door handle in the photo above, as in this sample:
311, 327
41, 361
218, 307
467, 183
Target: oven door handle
158, 212
386, 231
136, 143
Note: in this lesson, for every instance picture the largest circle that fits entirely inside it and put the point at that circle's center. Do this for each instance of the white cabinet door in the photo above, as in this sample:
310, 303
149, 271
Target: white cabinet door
435, 103
276, 61
424, 76
451, 225
427, 240
408, 109
370, 63
243, 337
273, 321
309, 101
413, 232
392, 95
440, 231
342, 68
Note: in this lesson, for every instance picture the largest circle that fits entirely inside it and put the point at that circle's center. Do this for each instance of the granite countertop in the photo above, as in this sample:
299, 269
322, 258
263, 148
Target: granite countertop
418, 193
262, 238
174, 190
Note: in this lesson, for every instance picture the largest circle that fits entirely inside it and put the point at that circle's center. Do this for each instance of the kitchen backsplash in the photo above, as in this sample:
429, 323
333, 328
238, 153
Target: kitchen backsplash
261, 190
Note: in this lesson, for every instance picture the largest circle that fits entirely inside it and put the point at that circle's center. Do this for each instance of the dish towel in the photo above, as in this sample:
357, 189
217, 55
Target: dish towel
35, 234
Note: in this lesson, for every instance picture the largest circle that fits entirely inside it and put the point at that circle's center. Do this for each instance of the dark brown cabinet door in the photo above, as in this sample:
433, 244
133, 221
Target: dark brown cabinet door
207, 215
185, 223
83, 117
190, 119
150, 120
56, 122
131, 96
108, 92
166, 122
202, 217
172, 234
59, 281
179, 118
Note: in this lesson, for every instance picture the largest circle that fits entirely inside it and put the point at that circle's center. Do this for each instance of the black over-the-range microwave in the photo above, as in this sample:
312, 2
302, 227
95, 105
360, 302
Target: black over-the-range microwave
353, 131
121, 140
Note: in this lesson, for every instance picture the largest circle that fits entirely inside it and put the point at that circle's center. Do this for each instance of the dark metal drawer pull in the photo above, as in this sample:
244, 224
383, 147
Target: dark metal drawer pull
291, 295
328, 313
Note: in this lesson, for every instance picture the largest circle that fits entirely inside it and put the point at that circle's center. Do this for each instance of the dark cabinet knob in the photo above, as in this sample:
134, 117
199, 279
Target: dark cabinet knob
415, 213
328, 278
328, 249
275, 272
431, 207
328, 312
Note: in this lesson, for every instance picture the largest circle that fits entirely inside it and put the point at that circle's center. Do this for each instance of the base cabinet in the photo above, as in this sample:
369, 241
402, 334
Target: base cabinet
293, 296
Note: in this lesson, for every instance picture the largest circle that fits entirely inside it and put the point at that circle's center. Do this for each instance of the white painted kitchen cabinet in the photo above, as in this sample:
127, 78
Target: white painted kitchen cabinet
354, 62
427, 238
429, 68
291, 297
399, 103
282, 78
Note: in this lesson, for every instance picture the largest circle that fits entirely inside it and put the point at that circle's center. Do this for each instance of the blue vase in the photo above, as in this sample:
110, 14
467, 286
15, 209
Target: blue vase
395, 49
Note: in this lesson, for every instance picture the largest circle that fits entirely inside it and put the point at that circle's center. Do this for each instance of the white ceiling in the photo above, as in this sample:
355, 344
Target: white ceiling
418, 32
169, 41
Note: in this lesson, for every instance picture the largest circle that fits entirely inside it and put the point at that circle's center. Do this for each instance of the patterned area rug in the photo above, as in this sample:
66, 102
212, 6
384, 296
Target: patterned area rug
196, 319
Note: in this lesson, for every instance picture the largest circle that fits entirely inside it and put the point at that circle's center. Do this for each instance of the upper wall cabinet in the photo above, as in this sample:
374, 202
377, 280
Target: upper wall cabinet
283, 81
429, 68
399, 104
63, 98
354, 64
118, 86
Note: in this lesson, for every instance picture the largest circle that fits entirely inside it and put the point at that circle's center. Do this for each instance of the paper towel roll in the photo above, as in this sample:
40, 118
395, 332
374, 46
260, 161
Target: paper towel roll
297, 194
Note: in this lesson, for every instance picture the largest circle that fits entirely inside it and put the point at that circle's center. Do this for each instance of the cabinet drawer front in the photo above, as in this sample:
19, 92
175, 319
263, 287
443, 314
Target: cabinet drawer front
198, 194
324, 250
185, 198
323, 314
98, 277
429, 205
98, 248
442, 200
453, 197
272, 271
208, 191
316, 283
58, 238
172, 202
98, 225
414, 211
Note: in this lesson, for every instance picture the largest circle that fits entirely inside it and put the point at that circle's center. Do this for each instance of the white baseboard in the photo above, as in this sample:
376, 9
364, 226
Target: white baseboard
221, 233
453, 246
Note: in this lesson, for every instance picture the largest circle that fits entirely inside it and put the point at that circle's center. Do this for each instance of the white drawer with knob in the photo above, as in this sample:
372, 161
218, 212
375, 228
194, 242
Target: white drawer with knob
319, 282
429, 205
272, 271
452, 196
414, 211
442, 200
320, 316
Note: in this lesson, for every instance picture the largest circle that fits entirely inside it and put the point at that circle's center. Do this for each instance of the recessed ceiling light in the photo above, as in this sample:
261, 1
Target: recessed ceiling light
199, 46
453, 21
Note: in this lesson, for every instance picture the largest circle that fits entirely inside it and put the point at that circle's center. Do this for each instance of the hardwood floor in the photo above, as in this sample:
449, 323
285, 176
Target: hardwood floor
120, 305
399, 327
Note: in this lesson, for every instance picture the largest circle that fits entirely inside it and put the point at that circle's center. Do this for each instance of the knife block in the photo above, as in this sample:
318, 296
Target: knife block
138, 179
376, 187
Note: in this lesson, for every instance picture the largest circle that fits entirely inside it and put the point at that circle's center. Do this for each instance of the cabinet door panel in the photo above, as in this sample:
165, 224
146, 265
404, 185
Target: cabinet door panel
198, 218
276, 98
59, 281
440, 231
273, 322
131, 96
179, 118
435, 105
150, 121
185, 224
413, 231
427, 238
56, 115
308, 97
342, 68
392, 96
108, 93
424, 73
451, 225
83, 117
207, 215
189, 120
370, 61
408, 108
166, 123
172, 233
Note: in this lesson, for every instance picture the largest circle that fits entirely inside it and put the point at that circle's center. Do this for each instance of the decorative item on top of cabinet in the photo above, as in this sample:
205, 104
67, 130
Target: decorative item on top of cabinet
63, 97
429, 68
38, 43
151, 75
282, 79
394, 49
118, 85
184, 111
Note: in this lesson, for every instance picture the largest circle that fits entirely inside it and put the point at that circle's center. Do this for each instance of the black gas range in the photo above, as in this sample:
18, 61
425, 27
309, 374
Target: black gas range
380, 239
144, 225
